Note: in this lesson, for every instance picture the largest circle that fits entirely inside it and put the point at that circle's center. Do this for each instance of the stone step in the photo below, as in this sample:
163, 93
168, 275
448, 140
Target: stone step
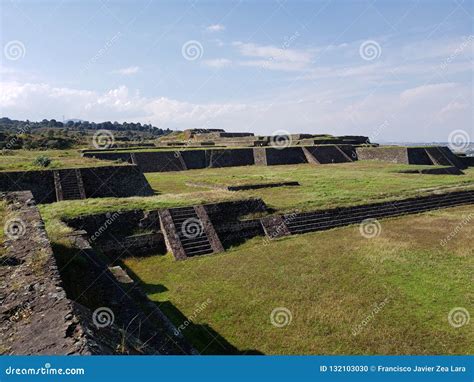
413, 208
68, 184
173, 223
320, 220
370, 213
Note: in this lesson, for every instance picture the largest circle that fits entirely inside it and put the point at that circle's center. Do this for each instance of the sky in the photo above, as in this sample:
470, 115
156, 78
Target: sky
390, 70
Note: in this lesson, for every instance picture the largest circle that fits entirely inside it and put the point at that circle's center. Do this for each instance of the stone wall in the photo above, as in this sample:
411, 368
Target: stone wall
342, 216
35, 315
158, 161
231, 158
385, 154
107, 181
195, 159
115, 233
260, 156
288, 155
227, 220
40, 183
143, 244
115, 181
467, 161
325, 154
187, 159
122, 233
418, 155
51, 303
430, 155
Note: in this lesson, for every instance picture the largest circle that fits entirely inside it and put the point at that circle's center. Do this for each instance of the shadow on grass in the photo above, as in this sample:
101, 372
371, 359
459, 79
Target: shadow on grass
76, 278
203, 338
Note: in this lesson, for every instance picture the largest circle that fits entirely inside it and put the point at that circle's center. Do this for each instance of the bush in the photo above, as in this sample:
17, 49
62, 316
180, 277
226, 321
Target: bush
42, 161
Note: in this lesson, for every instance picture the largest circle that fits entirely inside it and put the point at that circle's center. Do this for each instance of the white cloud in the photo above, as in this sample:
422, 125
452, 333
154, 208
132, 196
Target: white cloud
217, 62
127, 71
422, 113
274, 58
215, 28
425, 92
36, 101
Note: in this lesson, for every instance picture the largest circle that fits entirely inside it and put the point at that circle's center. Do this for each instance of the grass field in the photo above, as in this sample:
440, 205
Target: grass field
320, 186
22, 160
346, 294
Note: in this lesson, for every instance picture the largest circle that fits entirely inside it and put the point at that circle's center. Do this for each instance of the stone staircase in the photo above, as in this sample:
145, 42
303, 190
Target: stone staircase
188, 232
68, 184
331, 218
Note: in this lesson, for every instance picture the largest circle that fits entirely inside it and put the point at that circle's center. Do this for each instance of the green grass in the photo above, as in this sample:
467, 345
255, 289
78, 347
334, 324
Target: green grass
320, 186
22, 160
330, 281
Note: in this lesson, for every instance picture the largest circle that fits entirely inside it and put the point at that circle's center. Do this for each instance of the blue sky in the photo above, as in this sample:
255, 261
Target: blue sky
392, 70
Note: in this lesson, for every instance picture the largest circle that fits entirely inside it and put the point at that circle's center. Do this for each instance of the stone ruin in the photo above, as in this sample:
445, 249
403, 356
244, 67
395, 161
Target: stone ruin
188, 159
74, 301
48, 186
72, 305
225, 149
45, 295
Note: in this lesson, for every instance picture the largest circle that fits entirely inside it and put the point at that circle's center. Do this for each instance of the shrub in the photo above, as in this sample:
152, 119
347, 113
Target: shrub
42, 161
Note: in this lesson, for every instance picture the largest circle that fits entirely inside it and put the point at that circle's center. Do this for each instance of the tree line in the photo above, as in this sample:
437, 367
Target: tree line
26, 126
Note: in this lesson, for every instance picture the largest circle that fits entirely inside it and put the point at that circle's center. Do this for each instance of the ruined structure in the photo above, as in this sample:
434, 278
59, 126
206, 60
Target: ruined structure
48, 186
56, 306
430, 155
185, 232
297, 223
210, 228
61, 298
187, 159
